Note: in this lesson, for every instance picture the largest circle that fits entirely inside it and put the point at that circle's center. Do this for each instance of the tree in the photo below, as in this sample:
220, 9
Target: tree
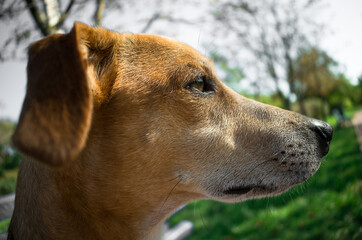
343, 94
314, 76
52, 16
48, 17
273, 32
359, 89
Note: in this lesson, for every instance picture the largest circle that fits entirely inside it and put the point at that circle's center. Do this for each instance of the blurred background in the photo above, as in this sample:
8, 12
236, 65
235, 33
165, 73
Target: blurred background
302, 55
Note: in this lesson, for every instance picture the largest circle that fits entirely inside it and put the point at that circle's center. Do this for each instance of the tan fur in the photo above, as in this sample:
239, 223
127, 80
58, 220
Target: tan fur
114, 142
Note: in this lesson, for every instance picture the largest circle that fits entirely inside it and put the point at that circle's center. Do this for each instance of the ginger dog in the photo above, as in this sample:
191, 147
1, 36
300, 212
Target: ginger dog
119, 130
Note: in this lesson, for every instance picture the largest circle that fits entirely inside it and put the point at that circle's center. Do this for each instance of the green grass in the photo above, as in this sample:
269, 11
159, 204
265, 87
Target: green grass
328, 206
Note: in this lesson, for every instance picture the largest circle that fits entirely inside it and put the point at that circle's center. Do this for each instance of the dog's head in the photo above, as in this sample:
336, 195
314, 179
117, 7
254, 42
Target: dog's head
147, 116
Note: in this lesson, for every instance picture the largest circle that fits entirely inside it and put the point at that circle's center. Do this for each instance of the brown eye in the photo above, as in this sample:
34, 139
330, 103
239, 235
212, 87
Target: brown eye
199, 85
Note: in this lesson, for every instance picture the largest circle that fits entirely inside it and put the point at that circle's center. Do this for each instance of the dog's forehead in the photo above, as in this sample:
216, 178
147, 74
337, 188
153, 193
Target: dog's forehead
163, 48
159, 59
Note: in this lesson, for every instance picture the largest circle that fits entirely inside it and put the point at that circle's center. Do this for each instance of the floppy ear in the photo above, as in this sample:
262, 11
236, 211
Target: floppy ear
56, 113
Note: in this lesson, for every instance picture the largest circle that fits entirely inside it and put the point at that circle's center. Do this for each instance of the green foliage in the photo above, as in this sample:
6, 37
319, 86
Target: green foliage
328, 206
9, 163
273, 99
316, 80
9, 159
6, 129
313, 107
8, 183
4, 225
358, 90
344, 94
314, 73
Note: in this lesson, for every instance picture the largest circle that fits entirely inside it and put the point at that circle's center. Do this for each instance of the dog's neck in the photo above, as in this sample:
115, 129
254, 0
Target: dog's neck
65, 199
97, 197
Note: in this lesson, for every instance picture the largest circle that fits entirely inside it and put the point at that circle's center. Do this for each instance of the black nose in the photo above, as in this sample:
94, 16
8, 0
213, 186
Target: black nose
324, 133
323, 130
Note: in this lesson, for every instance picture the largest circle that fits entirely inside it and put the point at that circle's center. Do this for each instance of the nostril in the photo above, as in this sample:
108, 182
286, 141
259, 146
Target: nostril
323, 130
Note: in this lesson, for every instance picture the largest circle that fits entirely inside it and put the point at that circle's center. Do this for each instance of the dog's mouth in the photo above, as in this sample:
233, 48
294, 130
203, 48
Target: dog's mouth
256, 191
241, 190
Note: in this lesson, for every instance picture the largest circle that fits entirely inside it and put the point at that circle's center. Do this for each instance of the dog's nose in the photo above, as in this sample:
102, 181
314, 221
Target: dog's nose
323, 129
324, 133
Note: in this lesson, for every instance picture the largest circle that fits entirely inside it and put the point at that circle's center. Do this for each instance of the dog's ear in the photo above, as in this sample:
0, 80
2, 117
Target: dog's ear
57, 110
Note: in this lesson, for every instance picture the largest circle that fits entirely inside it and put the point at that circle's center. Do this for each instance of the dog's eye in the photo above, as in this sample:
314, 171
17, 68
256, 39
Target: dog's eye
200, 85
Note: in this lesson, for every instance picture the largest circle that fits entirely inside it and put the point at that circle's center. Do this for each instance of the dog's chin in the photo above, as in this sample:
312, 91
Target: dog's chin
267, 187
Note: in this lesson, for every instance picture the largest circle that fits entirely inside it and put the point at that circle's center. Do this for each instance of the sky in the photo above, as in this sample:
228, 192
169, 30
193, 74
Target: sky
343, 42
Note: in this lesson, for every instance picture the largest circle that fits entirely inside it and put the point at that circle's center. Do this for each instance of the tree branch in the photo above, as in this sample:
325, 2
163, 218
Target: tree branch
64, 15
53, 15
154, 17
158, 16
178, 20
38, 16
11, 10
101, 5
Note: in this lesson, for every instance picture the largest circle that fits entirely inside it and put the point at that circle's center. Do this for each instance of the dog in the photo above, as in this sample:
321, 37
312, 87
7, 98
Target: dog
120, 130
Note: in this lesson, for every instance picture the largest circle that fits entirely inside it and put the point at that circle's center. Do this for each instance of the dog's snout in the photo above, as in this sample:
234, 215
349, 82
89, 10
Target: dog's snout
324, 133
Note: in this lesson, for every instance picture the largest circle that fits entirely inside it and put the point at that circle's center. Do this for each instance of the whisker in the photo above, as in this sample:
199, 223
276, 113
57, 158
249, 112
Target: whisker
257, 166
173, 179
163, 181
202, 219
266, 175
168, 195
270, 159
290, 196
195, 203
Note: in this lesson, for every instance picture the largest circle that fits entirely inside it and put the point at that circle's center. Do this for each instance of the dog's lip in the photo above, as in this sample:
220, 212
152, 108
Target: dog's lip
242, 189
